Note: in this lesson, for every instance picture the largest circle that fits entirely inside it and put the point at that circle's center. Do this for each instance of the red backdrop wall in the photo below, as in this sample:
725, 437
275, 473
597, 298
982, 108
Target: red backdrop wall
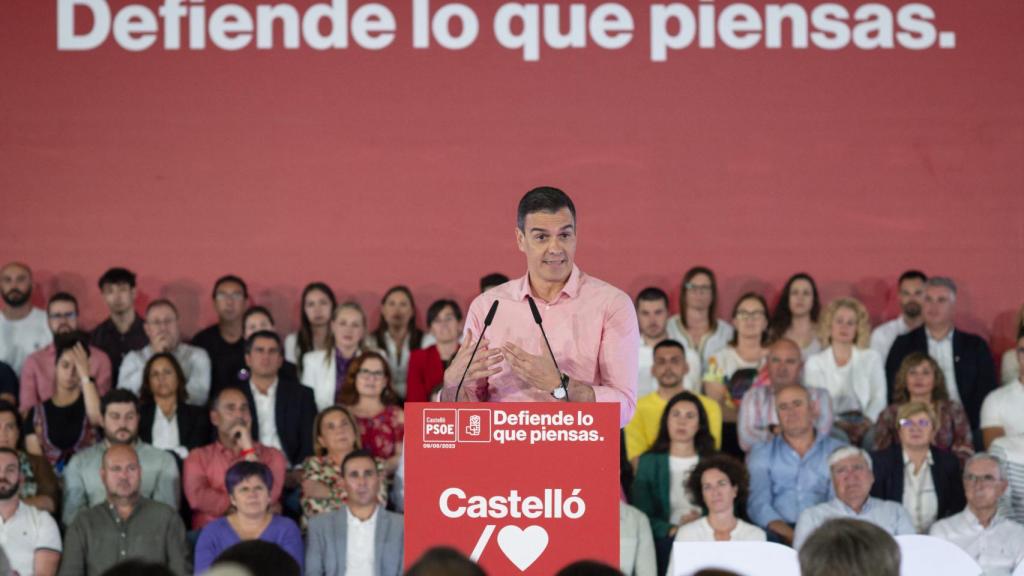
367, 169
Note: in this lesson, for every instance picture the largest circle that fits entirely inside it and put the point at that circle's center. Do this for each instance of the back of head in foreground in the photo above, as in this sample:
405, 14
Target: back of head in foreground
848, 547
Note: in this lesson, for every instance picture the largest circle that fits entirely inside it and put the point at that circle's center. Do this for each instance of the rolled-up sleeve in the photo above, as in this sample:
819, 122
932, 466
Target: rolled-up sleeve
618, 359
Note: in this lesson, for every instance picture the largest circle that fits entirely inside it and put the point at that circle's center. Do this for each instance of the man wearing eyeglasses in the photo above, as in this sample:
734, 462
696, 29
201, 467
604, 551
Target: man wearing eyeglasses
994, 541
223, 341
37, 374
22, 327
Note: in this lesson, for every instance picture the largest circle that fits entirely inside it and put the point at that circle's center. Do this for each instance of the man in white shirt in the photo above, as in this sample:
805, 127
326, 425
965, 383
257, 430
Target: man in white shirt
360, 539
911, 295
29, 536
23, 329
164, 335
652, 315
994, 541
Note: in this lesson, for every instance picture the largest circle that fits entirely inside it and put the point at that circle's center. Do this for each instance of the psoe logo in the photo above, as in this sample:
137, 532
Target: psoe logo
439, 425
474, 425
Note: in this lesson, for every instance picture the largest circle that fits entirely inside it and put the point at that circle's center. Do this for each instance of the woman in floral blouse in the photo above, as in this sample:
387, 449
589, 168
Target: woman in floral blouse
335, 435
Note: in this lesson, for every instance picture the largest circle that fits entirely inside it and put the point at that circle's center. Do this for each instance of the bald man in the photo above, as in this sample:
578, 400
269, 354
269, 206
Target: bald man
23, 329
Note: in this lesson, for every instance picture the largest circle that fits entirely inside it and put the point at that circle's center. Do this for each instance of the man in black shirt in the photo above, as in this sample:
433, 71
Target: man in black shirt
122, 332
223, 341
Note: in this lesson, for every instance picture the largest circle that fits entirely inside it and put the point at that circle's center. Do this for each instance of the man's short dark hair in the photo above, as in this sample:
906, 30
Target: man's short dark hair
62, 297
444, 561
117, 276
231, 278
253, 310
652, 294
119, 396
849, 547
491, 280
588, 568
912, 275
68, 340
361, 453
263, 334
669, 343
215, 399
6, 406
438, 306
260, 558
162, 302
543, 199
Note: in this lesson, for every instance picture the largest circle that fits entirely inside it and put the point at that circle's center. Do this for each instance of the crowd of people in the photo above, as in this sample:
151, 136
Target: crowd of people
129, 443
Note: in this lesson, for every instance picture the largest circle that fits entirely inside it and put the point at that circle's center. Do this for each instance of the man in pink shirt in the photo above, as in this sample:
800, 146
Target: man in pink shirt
591, 325
37, 374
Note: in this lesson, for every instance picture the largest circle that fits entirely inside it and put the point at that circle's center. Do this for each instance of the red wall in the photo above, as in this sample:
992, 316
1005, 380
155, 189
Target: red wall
367, 169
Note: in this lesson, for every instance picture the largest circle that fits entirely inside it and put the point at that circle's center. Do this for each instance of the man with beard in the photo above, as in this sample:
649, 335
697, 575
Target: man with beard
29, 535
911, 294
37, 373
82, 483
652, 315
23, 329
125, 526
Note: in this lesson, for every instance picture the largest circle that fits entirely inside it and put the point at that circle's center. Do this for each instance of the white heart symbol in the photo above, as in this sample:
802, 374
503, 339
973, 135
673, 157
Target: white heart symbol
523, 547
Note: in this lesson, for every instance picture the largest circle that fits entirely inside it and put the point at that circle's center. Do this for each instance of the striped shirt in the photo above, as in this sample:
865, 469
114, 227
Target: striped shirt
1011, 450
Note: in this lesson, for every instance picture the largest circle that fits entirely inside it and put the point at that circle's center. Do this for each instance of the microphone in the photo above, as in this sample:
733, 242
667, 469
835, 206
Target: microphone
487, 322
540, 322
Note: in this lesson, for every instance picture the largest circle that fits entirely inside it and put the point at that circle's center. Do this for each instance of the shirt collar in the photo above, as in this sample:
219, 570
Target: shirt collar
570, 290
270, 391
947, 338
929, 460
973, 521
865, 509
353, 520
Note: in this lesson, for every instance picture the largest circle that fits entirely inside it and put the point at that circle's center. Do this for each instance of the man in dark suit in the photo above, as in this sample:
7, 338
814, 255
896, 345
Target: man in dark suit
965, 358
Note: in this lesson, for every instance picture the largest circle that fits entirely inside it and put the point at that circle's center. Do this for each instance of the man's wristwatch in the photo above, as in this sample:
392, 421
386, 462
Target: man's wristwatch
562, 392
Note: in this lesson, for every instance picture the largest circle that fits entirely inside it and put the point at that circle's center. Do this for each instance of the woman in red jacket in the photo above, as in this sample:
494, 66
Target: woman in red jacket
427, 365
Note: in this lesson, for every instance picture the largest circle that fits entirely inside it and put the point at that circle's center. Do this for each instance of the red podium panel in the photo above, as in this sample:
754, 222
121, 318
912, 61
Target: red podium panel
519, 487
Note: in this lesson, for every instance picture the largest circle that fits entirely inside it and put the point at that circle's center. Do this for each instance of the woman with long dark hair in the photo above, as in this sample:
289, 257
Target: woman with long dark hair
697, 326
397, 334
318, 304
796, 314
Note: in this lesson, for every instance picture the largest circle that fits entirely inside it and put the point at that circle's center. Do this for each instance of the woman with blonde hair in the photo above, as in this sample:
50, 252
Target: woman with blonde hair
325, 370
853, 374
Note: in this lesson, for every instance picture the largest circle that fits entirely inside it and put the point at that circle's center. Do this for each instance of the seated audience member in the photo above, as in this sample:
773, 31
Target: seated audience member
37, 371
166, 420
636, 545
318, 304
652, 316
123, 331
361, 537
39, 485
248, 485
324, 370
369, 396
224, 342
444, 561
1010, 449
492, 280
697, 326
82, 484
659, 489
337, 435
669, 369
925, 479
23, 327
849, 547
965, 358
256, 319
983, 530
205, 467
398, 334
852, 479
1002, 413
165, 336
911, 296
758, 418
850, 371
255, 558
30, 536
427, 365
1011, 363
796, 314
63, 425
9, 386
920, 380
789, 473
125, 526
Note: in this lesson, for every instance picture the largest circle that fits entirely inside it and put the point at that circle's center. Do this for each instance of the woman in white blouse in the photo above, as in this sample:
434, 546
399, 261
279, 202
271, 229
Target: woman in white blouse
853, 374
318, 304
324, 370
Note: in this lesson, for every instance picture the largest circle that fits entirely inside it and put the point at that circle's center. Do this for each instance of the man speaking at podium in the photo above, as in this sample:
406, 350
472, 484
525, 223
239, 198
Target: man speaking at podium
591, 325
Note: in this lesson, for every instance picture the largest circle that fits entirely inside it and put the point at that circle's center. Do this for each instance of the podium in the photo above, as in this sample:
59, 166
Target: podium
521, 488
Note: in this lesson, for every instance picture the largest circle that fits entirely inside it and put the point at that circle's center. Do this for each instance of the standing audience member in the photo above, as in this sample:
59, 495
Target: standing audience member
850, 371
397, 334
965, 358
852, 479
921, 380
23, 328
796, 314
324, 370
1010, 449
318, 304
911, 296
125, 526
39, 485
1002, 413
368, 394
849, 547
30, 536
37, 371
205, 467
223, 341
652, 315
165, 336
697, 326
82, 483
636, 545
789, 473
337, 435
123, 331
166, 420
983, 530
427, 365
1011, 363
925, 479
249, 518
361, 537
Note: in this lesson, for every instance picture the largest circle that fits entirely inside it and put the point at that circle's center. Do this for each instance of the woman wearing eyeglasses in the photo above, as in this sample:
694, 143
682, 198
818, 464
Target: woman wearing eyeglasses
368, 393
925, 479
